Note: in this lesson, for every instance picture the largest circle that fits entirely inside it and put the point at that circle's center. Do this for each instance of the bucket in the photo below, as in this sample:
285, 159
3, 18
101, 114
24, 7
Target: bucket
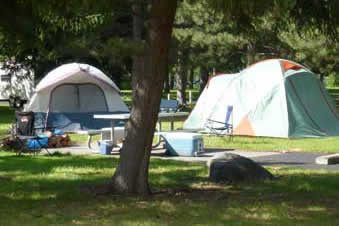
106, 147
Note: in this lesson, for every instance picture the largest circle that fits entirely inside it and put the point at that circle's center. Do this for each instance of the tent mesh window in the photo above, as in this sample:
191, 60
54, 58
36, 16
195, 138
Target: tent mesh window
78, 98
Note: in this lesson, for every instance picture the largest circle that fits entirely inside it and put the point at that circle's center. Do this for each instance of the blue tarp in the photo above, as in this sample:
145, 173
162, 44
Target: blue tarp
38, 143
73, 121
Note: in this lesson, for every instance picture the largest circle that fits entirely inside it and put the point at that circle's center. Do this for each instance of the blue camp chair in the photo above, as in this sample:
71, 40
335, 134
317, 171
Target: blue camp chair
222, 128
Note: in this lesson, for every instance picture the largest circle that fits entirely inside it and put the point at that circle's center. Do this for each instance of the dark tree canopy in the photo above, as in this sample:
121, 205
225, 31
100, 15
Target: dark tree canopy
45, 34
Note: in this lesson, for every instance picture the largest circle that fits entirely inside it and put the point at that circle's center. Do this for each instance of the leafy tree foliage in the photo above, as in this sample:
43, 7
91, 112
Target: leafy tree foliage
44, 35
203, 42
230, 34
314, 51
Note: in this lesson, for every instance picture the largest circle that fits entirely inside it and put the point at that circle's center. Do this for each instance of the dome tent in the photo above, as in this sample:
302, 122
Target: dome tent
274, 98
68, 96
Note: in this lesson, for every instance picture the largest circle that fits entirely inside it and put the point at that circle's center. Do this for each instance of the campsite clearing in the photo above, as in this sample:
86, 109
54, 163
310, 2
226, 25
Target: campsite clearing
62, 190
324, 145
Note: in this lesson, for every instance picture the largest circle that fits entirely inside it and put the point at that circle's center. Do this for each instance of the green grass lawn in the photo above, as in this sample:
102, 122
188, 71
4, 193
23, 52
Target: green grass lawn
6, 119
324, 145
56, 190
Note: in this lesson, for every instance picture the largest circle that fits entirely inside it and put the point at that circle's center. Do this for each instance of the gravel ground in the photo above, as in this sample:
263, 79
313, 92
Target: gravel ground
292, 159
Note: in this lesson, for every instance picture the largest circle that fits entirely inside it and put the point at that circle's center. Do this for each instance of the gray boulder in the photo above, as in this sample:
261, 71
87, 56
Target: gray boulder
232, 168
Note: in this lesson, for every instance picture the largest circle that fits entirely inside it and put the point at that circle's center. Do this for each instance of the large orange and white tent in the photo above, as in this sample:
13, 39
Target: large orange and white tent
274, 98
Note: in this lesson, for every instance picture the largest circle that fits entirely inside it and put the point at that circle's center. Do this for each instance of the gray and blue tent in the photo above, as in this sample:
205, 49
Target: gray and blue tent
69, 96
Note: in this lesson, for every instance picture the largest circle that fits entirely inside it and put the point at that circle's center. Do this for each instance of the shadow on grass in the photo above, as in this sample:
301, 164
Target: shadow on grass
296, 196
47, 189
86, 169
31, 164
77, 170
298, 182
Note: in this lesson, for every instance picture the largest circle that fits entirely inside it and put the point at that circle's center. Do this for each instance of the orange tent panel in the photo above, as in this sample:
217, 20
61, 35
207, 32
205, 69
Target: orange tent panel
289, 65
244, 128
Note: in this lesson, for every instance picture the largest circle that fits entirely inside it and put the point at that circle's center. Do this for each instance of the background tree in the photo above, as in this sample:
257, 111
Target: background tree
205, 42
44, 36
230, 41
317, 52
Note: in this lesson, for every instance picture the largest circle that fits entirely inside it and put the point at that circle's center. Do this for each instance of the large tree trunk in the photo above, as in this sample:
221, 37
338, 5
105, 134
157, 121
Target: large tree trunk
131, 175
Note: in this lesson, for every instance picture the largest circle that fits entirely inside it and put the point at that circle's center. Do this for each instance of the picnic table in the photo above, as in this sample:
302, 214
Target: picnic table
171, 116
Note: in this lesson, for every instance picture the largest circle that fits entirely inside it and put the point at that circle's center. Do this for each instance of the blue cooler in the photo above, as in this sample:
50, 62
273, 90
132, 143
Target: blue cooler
106, 147
183, 144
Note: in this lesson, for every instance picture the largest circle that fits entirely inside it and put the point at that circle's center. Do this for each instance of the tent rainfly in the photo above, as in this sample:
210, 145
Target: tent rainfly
68, 96
273, 98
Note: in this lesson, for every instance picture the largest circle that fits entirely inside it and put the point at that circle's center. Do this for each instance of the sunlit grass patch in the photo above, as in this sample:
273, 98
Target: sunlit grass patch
325, 145
6, 119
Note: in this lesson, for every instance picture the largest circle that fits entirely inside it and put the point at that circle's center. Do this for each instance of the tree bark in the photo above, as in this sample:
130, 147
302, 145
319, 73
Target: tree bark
321, 78
167, 81
171, 82
181, 78
250, 53
131, 175
203, 78
138, 28
191, 77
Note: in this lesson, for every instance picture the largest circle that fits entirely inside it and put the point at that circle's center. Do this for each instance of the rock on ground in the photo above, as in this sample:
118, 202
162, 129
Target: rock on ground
232, 168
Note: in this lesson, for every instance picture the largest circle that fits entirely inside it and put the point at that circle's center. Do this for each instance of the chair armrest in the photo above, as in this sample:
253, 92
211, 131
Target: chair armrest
224, 124
214, 121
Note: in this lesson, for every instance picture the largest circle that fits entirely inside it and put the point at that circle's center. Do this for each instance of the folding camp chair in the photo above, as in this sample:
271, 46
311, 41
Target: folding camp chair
222, 128
26, 135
